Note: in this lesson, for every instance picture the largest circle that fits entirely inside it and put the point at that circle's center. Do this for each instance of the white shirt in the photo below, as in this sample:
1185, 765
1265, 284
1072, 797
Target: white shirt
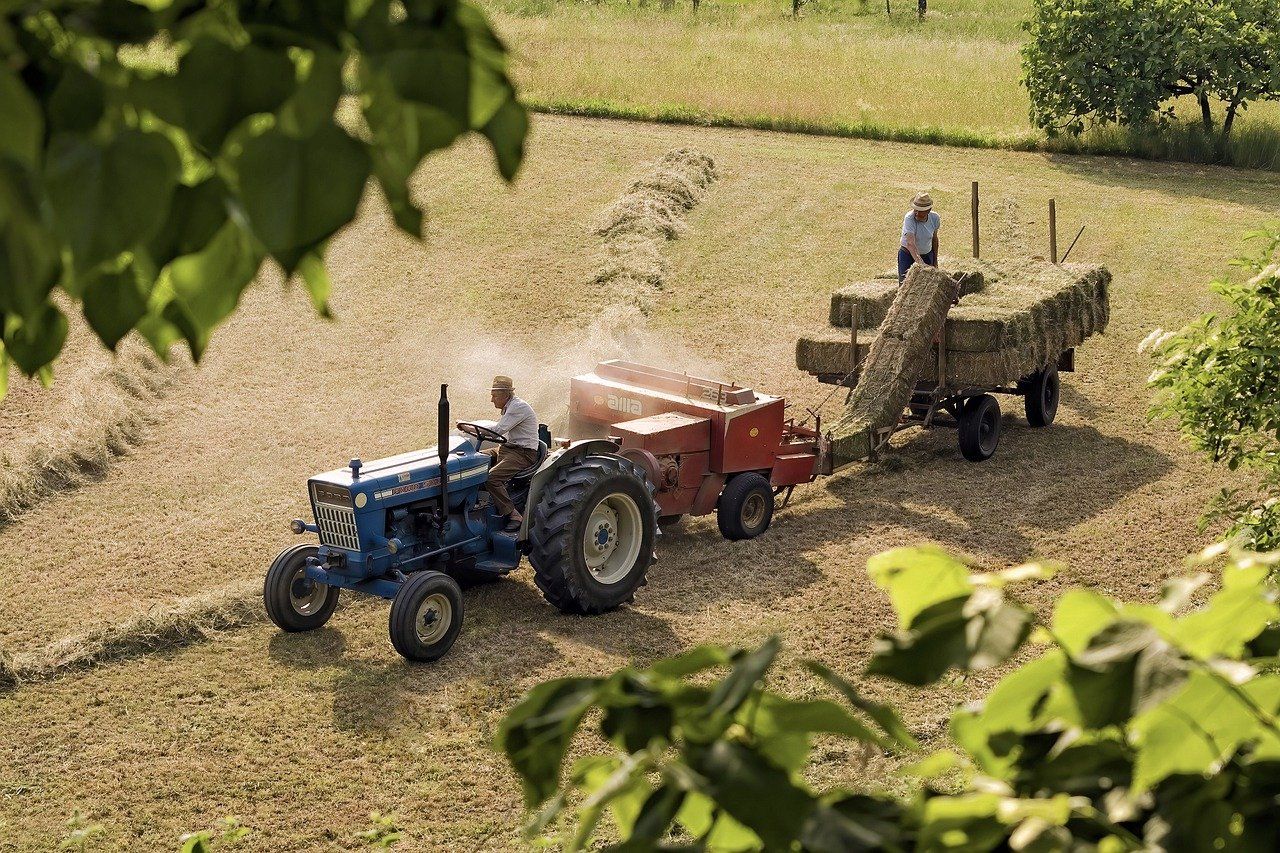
519, 424
924, 231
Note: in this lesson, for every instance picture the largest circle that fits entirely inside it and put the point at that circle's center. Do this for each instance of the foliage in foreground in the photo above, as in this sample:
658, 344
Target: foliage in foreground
153, 194
1126, 61
1135, 727
1218, 376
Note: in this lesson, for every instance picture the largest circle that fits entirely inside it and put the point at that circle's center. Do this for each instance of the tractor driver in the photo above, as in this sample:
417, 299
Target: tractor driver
520, 426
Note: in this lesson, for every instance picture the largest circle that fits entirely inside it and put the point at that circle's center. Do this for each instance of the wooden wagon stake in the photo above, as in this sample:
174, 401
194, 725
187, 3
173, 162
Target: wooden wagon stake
973, 207
1053, 232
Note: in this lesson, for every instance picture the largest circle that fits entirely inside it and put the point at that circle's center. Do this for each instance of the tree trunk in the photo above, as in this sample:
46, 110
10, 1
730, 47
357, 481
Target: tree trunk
1227, 120
1205, 115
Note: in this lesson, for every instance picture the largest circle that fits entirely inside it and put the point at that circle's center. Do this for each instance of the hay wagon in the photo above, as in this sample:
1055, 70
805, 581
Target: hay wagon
935, 351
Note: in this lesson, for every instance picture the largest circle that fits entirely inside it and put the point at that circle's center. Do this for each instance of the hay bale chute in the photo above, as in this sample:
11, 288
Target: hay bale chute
894, 360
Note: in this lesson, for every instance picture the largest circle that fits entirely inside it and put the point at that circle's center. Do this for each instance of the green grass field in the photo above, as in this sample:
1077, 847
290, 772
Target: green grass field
952, 79
304, 735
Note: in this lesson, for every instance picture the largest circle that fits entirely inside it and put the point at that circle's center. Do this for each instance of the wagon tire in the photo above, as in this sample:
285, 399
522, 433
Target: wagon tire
426, 616
980, 428
592, 534
745, 507
293, 601
1040, 393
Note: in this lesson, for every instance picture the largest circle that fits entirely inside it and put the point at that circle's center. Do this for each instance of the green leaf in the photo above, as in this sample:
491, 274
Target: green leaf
217, 87
195, 215
692, 661
746, 675
883, 715
1078, 615
536, 732
298, 192
853, 823
506, 132
206, 286
316, 278
29, 254
77, 103
777, 715
32, 344
21, 125
108, 197
918, 578
653, 821
113, 304
1226, 623
754, 792
312, 105
966, 822
4, 371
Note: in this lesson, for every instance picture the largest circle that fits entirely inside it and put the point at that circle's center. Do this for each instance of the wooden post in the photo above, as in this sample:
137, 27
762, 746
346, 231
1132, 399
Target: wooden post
1053, 232
973, 209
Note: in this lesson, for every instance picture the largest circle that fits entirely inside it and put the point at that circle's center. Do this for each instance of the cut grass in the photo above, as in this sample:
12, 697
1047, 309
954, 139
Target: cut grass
304, 735
952, 80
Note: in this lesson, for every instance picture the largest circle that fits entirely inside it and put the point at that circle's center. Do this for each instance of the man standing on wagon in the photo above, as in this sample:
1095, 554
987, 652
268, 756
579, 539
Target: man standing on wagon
919, 244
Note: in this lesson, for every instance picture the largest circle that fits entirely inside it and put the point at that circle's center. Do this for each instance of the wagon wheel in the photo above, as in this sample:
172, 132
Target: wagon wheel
980, 428
1040, 394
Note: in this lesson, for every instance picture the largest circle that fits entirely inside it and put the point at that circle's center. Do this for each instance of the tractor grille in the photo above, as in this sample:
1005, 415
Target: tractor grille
335, 517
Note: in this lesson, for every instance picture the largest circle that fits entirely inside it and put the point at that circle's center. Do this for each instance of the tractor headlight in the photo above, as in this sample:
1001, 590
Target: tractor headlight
298, 526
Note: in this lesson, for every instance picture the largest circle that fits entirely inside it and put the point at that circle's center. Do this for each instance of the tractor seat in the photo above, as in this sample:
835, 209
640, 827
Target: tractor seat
526, 473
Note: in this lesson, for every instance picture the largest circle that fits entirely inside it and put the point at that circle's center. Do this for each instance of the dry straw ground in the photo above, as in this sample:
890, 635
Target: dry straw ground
303, 735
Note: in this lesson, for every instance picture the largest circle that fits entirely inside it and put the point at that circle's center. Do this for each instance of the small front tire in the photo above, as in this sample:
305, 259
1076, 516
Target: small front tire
294, 601
426, 616
980, 428
745, 507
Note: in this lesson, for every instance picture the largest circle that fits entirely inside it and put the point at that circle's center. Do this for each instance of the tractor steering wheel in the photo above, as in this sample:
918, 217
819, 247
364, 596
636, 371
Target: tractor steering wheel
482, 432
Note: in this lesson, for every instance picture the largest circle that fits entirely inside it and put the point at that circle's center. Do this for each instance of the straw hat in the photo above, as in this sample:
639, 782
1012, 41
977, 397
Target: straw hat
503, 383
923, 201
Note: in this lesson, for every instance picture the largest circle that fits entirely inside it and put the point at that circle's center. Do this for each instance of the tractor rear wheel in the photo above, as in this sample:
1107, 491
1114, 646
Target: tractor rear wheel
592, 534
294, 601
1040, 395
980, 428
745, 507
426, 616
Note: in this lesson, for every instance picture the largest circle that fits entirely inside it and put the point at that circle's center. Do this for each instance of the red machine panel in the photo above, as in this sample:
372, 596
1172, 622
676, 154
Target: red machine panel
791, 469
666, 433
752, 436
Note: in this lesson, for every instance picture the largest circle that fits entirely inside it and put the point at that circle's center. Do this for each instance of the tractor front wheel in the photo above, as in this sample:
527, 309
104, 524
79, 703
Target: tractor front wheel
294, 601
745, 507
592, 534
426, 616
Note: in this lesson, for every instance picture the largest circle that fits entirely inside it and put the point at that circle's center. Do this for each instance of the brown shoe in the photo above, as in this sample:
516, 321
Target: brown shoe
513, 523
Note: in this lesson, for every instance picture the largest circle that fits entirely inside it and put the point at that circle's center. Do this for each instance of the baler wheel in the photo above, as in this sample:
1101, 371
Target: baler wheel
293, 601
980, 428
592, 534
745, 507
1040, 395
426, 616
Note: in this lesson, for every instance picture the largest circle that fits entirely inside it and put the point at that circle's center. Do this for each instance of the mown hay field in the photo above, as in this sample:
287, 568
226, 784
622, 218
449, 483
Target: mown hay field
838, 68
302, 736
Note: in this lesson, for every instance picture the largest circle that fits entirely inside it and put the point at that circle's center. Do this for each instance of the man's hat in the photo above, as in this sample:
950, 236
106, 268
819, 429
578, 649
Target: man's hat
502, 383
922, 202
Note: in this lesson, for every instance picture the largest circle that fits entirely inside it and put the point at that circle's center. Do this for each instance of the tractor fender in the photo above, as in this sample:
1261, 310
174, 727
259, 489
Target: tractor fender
554, 462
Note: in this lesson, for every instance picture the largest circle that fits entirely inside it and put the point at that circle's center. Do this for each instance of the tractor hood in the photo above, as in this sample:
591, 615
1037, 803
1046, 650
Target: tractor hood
405, 477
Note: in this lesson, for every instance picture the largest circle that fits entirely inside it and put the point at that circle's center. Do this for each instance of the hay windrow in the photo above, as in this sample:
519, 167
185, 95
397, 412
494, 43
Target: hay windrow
161, 628
632, 268
101, 415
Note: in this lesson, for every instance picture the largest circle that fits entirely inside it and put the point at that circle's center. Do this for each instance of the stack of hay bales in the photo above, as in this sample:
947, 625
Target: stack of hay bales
1013, 319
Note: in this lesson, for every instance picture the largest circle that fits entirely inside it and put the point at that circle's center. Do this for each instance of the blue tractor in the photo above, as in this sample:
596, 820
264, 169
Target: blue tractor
413, 528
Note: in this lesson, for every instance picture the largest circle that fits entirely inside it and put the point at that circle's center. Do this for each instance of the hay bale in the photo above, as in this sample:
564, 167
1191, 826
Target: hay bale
828, 352
894, 363
872, 299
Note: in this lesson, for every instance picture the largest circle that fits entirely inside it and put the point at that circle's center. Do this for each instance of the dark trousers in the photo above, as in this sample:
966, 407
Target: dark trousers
905, 261
509, 462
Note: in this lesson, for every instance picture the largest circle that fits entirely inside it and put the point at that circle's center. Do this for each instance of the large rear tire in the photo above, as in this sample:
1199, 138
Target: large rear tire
426, 616
592, 534
293, 601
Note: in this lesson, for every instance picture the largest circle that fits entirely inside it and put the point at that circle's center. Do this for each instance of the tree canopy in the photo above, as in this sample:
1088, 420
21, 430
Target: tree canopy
154, 153
1127, 61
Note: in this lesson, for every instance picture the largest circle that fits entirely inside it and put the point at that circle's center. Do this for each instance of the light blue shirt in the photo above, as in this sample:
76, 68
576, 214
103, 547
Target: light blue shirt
924, 231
